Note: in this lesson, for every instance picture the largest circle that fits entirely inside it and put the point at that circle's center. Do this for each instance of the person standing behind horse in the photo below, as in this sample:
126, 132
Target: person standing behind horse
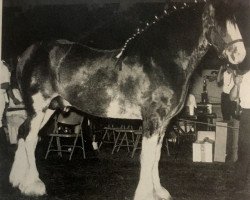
241, 90
5, 93
226, 75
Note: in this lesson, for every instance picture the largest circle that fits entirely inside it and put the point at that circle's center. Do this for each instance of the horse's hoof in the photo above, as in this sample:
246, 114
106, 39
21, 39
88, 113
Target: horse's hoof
14, 182
33, 189
162, 194
169, 198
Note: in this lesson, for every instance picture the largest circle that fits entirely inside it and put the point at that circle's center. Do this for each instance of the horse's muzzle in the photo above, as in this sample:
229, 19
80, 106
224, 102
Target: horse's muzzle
235, 53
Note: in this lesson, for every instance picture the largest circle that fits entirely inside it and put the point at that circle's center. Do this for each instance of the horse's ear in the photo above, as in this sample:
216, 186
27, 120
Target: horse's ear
211, 10
209, 13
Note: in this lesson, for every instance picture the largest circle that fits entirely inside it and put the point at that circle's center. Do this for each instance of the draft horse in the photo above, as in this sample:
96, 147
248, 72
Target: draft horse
149, 81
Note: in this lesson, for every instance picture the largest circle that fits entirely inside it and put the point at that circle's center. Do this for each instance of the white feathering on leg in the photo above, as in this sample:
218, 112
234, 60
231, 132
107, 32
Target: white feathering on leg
20, 165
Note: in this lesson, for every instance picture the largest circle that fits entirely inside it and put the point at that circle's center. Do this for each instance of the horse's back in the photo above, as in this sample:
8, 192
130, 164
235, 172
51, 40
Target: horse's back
96, 83
67, 69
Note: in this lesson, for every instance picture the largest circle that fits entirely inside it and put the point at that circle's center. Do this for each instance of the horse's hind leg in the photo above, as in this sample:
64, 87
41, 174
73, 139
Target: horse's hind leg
19, 165
31, 184
24, 171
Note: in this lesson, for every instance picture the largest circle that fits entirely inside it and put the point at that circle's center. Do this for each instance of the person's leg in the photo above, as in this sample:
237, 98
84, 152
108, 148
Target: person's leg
3, 139
2, 108
232, 108
241, 169
225, 104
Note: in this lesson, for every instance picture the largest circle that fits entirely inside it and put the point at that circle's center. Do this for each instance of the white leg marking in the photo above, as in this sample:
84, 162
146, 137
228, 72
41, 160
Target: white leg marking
160, 192
31, 184
19, 166
145, 188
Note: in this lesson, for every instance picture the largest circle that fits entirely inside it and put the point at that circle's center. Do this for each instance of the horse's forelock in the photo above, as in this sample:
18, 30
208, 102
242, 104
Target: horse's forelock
224, 11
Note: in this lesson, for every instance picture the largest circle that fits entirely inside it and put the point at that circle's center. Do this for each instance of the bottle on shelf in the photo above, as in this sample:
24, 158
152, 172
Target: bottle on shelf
204, 94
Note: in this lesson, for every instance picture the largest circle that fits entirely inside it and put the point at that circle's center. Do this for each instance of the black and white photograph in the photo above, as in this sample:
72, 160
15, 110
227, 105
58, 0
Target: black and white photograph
125, 100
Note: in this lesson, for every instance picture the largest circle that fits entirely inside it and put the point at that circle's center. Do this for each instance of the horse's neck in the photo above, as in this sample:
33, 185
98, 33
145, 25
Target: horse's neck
197, 54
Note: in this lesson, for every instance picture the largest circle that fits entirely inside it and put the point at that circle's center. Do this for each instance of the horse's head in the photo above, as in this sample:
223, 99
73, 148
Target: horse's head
222, 31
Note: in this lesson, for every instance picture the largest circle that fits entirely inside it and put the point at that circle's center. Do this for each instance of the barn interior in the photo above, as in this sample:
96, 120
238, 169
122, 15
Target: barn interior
109, 166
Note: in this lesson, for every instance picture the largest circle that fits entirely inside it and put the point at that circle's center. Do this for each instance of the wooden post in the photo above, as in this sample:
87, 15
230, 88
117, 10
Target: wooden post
236, 124
220, 150
226, 141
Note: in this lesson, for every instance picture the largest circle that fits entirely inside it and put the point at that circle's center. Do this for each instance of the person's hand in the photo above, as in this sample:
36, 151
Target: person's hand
16, 101
238, 80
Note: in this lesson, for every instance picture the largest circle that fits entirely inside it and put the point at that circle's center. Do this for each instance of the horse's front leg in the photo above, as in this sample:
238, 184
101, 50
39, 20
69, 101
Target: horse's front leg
160, 191
149, 187
145, 188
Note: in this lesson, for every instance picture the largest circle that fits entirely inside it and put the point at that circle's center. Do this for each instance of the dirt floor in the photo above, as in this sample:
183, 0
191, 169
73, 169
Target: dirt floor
106, 176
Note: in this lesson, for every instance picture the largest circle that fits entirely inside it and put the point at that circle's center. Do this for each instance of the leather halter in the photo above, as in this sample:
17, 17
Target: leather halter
222, 46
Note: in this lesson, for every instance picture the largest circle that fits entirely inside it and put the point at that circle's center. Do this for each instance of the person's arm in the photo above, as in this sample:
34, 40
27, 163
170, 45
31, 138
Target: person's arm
234, 93
220, 75
5, 85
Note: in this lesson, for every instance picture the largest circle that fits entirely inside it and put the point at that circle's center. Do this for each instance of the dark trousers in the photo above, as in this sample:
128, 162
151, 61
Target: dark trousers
243, 163
227, 107
3, 145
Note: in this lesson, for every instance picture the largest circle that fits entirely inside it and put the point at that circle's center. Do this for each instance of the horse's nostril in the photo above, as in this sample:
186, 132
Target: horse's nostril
240, 55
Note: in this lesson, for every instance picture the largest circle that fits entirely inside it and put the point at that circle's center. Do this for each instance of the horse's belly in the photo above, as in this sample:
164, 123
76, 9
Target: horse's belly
104, 91
104, 104
124, 110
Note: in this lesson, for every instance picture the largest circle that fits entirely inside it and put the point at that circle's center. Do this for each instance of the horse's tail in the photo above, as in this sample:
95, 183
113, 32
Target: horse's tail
23, 60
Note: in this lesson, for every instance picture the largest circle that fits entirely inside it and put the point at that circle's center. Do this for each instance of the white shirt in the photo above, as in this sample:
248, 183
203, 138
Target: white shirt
244, 93
228, 82
191, 103
4, 78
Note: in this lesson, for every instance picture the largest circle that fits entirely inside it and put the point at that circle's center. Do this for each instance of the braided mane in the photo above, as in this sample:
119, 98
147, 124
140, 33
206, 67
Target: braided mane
169, 19
166, 15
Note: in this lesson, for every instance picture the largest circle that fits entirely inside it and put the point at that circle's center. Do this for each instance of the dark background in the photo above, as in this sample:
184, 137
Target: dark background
100, 24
